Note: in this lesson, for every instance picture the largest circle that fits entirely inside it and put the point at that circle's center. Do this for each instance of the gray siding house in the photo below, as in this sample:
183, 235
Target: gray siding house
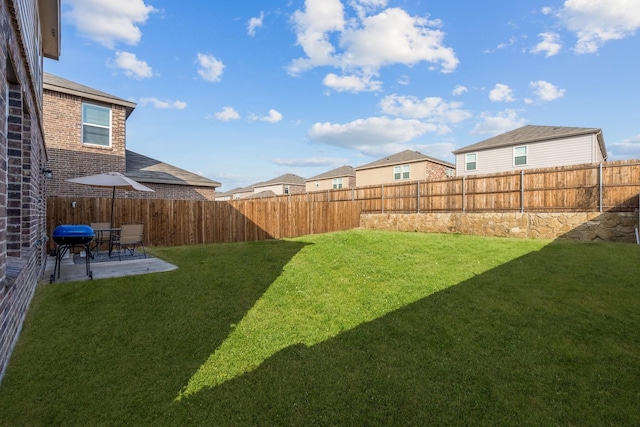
532, 147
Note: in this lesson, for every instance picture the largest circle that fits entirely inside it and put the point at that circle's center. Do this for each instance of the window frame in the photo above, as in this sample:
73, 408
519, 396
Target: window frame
526, 155
336, 183
399, 172
467, 162
99, 126
287, 189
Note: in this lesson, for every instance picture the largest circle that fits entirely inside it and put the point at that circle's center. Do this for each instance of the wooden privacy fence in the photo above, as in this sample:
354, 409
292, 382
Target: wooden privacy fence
612, 186
188, 222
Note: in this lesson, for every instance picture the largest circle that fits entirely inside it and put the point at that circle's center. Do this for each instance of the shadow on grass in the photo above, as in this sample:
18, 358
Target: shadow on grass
118, 348
493, 350
547, 338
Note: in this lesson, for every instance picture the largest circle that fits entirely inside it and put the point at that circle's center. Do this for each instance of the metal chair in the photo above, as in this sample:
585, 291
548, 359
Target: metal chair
130, 236
102, 236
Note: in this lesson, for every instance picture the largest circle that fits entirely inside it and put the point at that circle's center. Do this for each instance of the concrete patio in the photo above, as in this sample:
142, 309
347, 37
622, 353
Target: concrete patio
72, 272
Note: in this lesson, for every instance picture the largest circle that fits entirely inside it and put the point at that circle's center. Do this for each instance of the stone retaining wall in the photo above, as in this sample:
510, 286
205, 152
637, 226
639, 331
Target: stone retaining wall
587, 226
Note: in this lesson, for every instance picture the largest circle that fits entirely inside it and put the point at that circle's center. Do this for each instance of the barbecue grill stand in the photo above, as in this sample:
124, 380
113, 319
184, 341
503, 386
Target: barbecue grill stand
67, 237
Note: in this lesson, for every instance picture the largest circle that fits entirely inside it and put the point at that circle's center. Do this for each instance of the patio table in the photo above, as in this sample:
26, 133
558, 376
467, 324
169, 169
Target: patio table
113, 233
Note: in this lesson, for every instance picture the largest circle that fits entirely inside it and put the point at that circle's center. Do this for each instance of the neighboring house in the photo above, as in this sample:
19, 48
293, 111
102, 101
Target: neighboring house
29, 30
168, 181
86, 134
532, 147
227, 195
342, 177
284, 184
401, 167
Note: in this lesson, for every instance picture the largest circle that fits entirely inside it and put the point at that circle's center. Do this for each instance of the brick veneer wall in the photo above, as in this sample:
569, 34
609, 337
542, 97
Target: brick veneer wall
22, 198
68, 156
435, 171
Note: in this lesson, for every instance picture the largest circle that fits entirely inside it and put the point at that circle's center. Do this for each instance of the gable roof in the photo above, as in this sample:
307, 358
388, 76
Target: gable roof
288, 178
145, 169
533, 133
58, 84
406, 156
262, 194
335, 173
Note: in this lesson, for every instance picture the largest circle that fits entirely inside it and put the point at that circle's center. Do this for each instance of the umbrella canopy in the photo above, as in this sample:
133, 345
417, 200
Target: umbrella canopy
113, 180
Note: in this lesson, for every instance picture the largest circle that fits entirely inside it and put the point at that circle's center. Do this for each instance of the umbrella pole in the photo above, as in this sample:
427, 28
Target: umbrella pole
113, 199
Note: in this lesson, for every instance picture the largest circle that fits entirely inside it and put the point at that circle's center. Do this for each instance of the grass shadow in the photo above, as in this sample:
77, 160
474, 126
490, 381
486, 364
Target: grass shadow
134, 341
492, 350
548, 337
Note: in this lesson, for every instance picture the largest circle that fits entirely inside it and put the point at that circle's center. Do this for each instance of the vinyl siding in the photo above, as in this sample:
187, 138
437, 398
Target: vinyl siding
384, 175
560, 152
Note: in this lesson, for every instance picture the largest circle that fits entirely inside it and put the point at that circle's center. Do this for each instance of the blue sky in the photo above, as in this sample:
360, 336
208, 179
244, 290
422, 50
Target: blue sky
244, 91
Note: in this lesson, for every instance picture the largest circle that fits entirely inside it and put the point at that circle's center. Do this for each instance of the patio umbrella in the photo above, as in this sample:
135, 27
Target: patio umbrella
111, 179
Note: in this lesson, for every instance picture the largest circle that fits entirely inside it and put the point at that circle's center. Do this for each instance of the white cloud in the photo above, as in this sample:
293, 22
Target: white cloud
175, 105
496, 124
371, 135
550, 44
362, 45
109, 21
459, 90
431, 108
209, 68
352, 83
546, 91
597, 21
274, 116
311, 162
501, 93
131, 65
626, 149
546, 10
227, 114
254, 23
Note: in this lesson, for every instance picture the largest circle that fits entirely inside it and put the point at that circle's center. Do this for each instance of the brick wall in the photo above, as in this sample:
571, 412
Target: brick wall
68, 156
435, 171
22, 186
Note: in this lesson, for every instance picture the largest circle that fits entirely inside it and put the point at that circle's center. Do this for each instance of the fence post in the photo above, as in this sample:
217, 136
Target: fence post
382, 198
463, 180
600, 186
522, 191
418, 196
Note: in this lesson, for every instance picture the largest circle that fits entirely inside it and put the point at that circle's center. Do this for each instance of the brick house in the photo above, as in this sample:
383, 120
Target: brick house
86, 134
30, 29
401, 167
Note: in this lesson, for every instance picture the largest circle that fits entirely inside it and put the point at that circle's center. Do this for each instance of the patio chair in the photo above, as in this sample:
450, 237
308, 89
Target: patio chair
101, 237
130, 236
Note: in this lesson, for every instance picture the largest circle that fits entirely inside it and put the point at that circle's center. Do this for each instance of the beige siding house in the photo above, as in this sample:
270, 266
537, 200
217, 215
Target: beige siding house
86, 134
531, 147
402, 167
342, 177
284, 184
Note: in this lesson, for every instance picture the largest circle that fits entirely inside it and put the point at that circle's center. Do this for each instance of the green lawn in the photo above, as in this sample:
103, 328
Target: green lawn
350, 328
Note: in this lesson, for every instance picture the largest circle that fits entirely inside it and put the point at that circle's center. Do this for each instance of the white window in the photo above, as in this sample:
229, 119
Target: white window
337, 183
286, 189
96, 125
520, 156
401, 172
317, 184
471, 162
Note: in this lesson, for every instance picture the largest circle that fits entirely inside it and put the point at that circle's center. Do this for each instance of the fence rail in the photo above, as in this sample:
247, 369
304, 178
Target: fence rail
189, 222
611, 186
